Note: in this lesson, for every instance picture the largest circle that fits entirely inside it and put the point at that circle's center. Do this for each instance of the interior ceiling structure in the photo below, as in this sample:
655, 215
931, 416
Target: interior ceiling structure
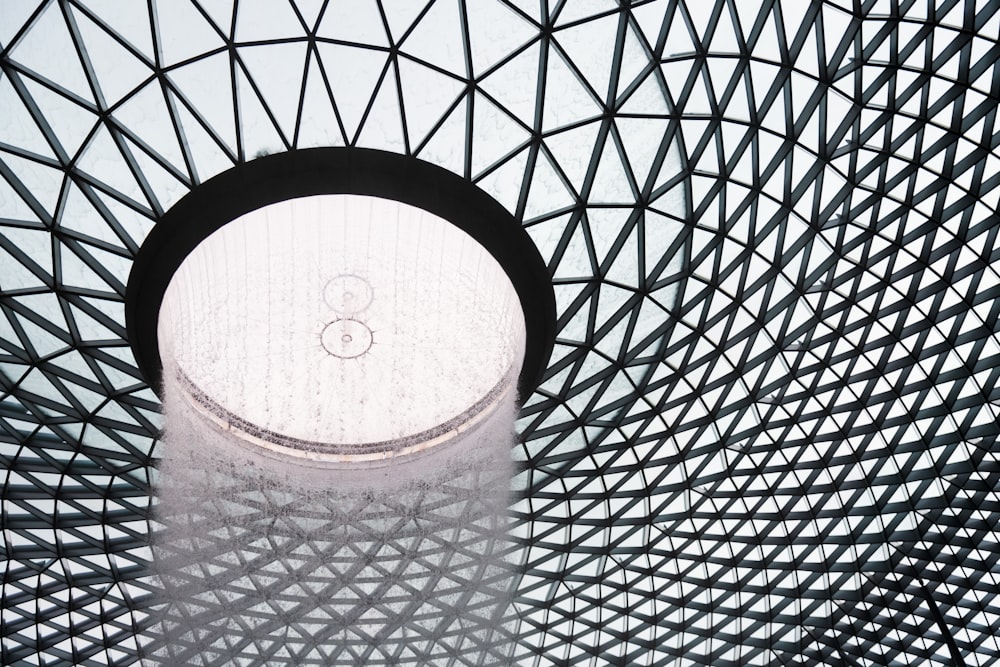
768, 430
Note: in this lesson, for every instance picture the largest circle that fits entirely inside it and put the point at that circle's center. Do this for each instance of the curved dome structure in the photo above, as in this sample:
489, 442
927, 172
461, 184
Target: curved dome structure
767, 432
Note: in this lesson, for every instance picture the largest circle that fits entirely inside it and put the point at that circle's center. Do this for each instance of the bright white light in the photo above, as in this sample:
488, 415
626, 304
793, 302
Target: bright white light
350, 326
343, 332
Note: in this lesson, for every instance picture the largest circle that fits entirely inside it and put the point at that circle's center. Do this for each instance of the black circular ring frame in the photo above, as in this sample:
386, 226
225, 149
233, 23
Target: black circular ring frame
323, 171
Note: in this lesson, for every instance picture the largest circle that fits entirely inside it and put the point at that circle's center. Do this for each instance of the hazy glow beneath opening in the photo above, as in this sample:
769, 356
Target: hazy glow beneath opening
349, 323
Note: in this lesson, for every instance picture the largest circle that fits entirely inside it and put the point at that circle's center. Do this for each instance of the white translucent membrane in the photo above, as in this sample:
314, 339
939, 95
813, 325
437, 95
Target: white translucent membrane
342, 329
260, 566
282, 540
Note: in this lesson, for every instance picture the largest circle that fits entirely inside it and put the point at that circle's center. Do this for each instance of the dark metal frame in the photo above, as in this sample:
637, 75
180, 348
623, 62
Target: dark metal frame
779, 436
321, 171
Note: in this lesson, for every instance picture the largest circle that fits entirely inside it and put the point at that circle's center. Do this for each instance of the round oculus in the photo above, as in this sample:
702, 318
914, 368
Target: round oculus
344, 326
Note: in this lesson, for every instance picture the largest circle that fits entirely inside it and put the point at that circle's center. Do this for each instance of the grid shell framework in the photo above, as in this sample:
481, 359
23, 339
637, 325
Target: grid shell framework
767, 434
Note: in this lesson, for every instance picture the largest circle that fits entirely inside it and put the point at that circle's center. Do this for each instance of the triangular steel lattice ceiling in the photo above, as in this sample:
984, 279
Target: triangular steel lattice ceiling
768, 431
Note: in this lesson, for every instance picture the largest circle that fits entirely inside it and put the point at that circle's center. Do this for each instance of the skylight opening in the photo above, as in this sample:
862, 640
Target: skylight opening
342, 329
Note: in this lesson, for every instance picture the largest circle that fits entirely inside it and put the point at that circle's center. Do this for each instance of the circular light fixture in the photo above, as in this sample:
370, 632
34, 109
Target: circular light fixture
346, 339
348, 294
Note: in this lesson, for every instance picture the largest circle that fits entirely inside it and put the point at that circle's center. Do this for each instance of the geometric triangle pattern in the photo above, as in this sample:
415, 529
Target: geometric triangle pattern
268, 564
767, 433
